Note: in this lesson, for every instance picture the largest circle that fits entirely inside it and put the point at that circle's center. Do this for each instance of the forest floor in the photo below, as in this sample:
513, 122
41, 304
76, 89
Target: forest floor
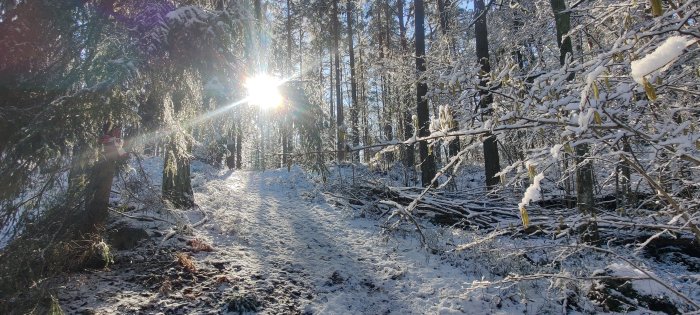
278, 246
272, 243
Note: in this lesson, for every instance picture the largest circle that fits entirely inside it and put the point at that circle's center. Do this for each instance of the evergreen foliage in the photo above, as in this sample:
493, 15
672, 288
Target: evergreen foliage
594, 99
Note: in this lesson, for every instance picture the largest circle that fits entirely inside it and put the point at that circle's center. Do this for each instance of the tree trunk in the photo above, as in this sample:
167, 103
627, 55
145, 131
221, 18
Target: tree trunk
365, 110
98, 185
627, 194
409, 158
285, 131
239, 140
231, 147
444, 9
260, 58
491, 161
257, 37
331, 99
386, 118
177, 187
97, 194
301, 54
340, 124
584, 179
386, 121
562, 19
584, 192
353, 82
427, 160
584, 169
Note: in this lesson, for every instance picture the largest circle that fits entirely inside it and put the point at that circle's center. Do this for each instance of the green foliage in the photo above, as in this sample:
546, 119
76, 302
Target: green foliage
48, 247
84, 64
306, 113
92, 64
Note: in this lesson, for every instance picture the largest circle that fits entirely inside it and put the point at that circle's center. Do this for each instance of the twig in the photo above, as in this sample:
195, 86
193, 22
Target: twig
203, 220
666, 197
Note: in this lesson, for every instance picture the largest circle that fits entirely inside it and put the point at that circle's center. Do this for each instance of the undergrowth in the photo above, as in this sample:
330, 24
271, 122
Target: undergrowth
49, 247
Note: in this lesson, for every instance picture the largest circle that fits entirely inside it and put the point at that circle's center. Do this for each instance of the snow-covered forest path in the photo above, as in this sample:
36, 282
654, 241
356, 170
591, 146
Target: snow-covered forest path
279, 227
276, 242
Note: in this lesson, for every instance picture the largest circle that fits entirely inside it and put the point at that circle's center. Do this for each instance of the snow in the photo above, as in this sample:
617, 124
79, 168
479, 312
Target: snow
584, 119
5, 233
277, 228
187, 15
533, 191
278, 235
645, 286
671, 49
555, 151
283, 217
593, 75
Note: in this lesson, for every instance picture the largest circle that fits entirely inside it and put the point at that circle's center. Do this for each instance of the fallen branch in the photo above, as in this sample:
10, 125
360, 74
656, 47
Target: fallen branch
148, 219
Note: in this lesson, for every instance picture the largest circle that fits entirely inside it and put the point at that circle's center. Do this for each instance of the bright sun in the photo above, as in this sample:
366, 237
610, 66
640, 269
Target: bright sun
263, 91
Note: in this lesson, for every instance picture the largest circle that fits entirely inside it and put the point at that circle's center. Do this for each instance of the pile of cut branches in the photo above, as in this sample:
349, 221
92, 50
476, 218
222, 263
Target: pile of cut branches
487, 212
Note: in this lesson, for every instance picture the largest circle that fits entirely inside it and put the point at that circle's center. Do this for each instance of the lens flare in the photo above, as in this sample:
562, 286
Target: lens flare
263, 91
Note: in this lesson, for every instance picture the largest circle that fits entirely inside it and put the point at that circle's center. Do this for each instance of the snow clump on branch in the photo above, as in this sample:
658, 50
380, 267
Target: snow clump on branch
671, 49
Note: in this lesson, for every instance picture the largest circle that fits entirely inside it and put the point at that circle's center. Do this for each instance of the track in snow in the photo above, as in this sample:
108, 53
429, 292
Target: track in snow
282, 227
275, 238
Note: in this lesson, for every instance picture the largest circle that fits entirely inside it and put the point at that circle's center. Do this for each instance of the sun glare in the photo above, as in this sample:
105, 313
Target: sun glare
263, 91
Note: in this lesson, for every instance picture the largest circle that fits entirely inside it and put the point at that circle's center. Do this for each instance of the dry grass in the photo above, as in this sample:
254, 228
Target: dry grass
199, 246
184, 260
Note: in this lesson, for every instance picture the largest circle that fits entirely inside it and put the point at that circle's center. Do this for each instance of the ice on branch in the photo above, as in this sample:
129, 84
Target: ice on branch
671, 49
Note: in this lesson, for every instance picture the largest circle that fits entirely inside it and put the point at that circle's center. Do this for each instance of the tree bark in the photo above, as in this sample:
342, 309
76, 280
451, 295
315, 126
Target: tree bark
409, 158
257, 8
340, 124
285, 131
491, 160
562, 19
627, 194
97, 189
353, 82
386, 117
331, 99
97, 195
366, 140
427, 160
239, 143
231, 147
260, 59
584, 191
446, 14
177, 187
387, 80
